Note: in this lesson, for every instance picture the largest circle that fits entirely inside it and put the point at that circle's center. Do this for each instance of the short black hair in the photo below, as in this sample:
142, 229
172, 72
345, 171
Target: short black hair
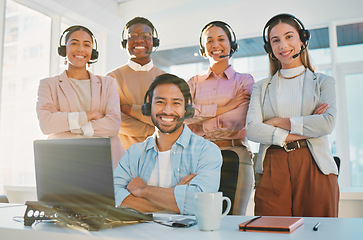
167, 78
142, 20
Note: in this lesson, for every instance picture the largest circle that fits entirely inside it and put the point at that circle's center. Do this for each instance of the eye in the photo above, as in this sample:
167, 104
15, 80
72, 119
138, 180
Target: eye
275, 40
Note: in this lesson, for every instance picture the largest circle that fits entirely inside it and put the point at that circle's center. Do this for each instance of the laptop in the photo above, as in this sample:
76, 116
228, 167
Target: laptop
74, 171
74, 180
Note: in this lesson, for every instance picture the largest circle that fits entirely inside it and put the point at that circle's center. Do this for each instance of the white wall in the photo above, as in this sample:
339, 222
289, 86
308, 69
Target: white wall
179, 21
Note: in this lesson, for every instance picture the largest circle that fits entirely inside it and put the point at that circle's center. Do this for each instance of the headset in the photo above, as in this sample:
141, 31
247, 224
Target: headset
303, 33
165, 79
62, 48
229, 31
156, 41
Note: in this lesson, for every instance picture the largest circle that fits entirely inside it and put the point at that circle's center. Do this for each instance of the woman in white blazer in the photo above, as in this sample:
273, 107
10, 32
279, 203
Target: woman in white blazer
77, 103
291, 114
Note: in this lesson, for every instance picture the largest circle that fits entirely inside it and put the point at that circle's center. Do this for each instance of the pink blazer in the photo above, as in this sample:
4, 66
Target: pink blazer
104, 98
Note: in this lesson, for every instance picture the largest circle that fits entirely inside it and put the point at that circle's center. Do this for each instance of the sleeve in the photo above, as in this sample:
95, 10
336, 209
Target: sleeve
136, 113
121, 178
50, 122
109, 125
137, 124
297, 125
201, 111
322, 124
206, 180
257, 131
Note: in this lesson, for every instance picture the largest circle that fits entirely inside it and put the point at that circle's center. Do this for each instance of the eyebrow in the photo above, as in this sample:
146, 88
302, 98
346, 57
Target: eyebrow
74, 39
218, 36
284, 34
175, 99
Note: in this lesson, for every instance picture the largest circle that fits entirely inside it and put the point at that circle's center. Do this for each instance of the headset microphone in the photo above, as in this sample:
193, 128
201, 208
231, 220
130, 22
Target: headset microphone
297, 54
148, 52
223, 56
183, 118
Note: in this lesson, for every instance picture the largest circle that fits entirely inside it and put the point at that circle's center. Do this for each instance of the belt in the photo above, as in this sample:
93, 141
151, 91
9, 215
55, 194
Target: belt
291, 146
228, 143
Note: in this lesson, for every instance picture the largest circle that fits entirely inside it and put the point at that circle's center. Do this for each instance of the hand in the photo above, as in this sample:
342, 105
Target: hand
136, 187
270, 122
49, 107
186, 180
94, 115
126, 109
241, 97
321, 108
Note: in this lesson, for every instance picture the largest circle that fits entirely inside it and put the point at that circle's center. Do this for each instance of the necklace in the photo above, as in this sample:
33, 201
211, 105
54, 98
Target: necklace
280, 75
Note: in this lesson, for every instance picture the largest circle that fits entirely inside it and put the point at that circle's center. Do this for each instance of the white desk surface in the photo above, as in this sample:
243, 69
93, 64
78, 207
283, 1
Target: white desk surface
330, 229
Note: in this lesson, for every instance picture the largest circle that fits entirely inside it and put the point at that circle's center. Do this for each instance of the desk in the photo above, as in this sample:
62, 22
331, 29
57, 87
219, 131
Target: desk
330, 228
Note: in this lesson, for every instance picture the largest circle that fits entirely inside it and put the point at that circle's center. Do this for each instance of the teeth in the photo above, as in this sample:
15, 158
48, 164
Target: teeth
285, 53
217, 52
80, 57
167, 119
140, 47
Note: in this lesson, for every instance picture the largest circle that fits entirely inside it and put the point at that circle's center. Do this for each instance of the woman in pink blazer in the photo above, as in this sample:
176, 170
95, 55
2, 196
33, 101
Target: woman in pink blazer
77, 103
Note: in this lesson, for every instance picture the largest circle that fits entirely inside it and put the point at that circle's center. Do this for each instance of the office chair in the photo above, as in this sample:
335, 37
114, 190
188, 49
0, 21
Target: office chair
337, 161
229, 176
4, 199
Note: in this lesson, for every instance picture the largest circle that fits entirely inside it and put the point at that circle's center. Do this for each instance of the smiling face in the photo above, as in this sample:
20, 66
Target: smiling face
216, 43
140, 43
285, 43
79, 49
168, 105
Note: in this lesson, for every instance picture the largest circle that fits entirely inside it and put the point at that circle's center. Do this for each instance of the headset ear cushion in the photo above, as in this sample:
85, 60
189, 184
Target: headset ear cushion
189, 111
62, 51
146, 109
267, 47
124, 43
304, 35
156, 42
234, 47
94, 54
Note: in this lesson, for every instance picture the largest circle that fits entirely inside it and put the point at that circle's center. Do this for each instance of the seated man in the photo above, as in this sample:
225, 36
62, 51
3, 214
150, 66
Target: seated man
164, 171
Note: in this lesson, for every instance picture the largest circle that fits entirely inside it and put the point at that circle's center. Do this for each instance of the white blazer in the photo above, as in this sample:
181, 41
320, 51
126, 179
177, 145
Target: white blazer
317, 88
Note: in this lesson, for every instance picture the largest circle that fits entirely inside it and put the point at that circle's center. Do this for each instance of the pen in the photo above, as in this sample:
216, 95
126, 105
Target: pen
316, 227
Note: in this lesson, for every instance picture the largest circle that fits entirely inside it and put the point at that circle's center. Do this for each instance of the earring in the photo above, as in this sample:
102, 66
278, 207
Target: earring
65, 61
89, 64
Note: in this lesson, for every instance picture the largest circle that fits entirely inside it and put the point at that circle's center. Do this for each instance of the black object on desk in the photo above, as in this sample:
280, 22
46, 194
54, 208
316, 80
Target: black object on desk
316, 227
90, 216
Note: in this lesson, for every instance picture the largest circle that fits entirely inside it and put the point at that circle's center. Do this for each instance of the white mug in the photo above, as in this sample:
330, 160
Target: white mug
208, 210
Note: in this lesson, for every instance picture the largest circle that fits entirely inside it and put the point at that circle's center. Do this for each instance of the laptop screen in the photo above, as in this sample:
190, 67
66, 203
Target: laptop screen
74, 170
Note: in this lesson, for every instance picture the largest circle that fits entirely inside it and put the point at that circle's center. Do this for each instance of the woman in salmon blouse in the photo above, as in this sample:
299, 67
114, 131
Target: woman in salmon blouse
221, 98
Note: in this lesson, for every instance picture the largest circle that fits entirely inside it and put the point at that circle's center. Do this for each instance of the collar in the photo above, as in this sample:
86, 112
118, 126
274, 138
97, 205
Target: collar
229, 73
138, 68
183, 139
292, 71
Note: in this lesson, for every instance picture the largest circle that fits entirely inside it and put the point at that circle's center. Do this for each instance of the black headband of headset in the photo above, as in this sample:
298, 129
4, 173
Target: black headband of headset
231, 36
70, 30
280, 16
141, 20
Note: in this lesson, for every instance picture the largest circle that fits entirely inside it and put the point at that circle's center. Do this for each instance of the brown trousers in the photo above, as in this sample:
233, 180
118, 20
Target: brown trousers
293, 185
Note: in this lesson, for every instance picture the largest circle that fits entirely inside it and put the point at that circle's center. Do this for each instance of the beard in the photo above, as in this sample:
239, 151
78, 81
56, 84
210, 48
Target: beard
164, 129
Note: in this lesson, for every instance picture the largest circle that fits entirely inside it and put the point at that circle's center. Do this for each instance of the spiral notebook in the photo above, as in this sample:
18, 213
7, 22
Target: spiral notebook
272, 224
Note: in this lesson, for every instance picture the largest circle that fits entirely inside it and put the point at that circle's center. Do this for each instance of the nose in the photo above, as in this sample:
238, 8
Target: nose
168, 108
283, 44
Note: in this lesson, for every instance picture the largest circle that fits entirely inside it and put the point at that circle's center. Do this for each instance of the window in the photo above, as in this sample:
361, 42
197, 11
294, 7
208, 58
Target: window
26, 61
